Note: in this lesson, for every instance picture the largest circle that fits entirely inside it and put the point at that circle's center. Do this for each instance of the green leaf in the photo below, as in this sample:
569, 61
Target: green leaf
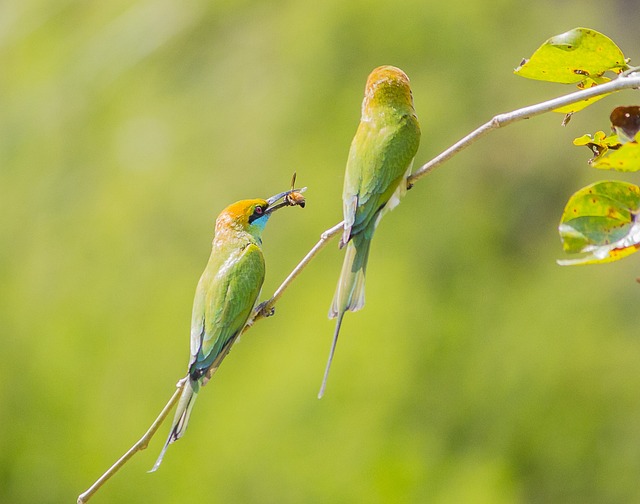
600, 220
625, 159
599, 143
572, 57
599, 138
619, 152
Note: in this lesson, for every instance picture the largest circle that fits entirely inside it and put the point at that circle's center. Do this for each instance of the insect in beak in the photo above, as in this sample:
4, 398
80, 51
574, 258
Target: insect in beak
295, 198
292, 197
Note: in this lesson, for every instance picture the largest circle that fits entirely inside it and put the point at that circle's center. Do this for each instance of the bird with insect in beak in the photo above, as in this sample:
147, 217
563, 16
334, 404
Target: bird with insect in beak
379, 162
226, 295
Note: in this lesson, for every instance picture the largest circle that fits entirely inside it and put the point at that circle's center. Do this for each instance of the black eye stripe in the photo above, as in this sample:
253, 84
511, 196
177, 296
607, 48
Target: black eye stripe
257, 213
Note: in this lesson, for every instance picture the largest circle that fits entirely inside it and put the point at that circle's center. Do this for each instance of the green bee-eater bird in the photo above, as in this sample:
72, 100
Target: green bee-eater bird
225, 297
380, 160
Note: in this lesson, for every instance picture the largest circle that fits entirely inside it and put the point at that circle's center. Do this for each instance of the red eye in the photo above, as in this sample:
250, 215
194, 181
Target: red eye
258, 210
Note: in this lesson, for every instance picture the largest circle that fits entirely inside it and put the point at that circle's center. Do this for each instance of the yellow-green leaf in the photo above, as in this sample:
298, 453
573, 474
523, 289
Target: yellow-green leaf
573, 56
599, 138
626, 158
600, 220
599, 143
613, 255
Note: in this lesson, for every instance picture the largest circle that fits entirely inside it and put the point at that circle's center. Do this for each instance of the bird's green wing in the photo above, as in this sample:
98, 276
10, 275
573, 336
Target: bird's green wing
224, 301
379, 157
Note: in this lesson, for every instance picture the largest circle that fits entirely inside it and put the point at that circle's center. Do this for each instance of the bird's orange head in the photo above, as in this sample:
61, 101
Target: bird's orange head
241, 214
387, 86
250, 215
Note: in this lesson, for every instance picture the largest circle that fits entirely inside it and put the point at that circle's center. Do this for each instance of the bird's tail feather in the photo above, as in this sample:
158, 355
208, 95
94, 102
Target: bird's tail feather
180, 420
349, 293
331, 352
350, 290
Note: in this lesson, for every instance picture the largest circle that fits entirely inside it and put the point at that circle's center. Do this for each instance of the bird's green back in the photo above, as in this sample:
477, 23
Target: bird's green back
381, 152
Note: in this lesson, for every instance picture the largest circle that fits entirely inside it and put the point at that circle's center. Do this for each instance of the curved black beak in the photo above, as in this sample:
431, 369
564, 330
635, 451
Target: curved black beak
273, 200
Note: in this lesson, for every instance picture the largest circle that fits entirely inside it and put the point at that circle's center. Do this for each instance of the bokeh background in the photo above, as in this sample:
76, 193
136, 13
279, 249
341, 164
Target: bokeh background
479, 371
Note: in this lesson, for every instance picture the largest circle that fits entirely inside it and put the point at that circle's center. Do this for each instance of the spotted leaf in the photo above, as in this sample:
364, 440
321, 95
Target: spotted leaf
626, 159
600, 221
573, 57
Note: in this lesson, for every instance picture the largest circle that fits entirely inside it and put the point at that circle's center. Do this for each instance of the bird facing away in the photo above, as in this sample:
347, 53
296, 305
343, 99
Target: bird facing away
225, 297
380, 160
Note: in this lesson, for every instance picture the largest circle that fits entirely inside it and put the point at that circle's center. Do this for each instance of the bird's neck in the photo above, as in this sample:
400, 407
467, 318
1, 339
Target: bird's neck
388, 97
235, 236
376, 111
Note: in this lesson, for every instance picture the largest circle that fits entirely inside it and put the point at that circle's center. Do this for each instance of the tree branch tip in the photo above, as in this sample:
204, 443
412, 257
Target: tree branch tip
629, 71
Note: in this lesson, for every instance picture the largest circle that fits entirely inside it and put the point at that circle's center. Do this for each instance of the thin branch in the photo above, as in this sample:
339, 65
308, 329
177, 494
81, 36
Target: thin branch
624, 81
139, 446
261, 311
266, 309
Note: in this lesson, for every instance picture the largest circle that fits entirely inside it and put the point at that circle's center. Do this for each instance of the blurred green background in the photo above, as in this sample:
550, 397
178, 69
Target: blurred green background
479, 371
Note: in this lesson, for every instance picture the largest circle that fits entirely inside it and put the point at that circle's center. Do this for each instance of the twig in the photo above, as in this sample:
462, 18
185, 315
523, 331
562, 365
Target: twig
265, 309
260, 312
624, 81
140, 445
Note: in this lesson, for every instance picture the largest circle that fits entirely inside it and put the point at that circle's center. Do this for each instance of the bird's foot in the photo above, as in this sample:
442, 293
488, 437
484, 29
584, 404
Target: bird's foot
265, 310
